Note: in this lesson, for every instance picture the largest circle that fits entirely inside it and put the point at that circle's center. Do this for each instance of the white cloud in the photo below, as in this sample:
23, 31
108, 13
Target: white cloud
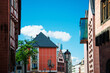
34, 30
75, 60
63, 50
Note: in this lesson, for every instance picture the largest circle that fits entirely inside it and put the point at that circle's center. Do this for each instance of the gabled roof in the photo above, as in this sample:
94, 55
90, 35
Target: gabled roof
42, 41
60, 55
60, 52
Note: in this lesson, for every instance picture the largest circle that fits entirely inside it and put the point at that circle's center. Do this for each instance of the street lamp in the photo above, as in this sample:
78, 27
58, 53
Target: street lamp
67, 56
50, 65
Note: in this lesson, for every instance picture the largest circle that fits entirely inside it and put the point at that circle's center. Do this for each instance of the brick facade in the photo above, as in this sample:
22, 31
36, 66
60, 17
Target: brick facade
4, 36
46, 54
7, 61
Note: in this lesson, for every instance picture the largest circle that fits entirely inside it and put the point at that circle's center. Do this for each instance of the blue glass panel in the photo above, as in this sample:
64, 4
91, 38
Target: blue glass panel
83, 29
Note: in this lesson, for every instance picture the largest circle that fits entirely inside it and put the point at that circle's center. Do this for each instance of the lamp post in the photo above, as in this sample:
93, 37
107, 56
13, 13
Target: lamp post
50, 65
67, 56
66, 63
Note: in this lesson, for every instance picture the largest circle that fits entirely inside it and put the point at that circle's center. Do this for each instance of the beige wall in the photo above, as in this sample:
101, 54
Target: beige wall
82, 68
104, 49
98, 26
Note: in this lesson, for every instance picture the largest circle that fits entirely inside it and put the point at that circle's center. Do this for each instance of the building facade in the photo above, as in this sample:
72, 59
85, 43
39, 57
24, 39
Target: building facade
76, 68
81, 68
46, 57
19, 67
73, 69
98, 36
60, 62
102, 33
92, 64
67, 57
10, 19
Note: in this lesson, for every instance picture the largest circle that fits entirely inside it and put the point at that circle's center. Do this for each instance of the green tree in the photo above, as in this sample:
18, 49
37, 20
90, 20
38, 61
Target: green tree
24, 51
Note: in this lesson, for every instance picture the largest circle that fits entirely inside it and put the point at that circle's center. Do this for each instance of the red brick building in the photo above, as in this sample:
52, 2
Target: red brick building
10, 19
47, 53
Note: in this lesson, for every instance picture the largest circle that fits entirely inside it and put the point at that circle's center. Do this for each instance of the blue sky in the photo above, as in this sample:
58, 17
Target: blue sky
56, 15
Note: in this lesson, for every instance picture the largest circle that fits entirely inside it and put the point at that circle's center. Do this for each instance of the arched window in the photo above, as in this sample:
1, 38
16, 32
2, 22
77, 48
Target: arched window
105, 10
108, 66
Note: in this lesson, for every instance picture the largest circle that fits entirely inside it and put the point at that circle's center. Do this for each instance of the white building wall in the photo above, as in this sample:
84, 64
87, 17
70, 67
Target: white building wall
85, 58
90, 39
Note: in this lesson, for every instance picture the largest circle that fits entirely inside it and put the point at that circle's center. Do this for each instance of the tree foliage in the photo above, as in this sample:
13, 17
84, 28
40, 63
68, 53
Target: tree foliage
25, 50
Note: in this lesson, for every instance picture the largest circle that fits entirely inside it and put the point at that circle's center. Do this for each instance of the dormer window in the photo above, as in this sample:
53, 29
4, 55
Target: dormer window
105, 10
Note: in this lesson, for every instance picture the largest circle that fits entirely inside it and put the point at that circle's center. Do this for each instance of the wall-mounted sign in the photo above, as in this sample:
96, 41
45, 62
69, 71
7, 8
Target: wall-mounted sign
83, 30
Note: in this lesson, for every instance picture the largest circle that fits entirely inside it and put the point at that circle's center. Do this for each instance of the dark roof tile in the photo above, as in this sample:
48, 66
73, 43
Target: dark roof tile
42, 41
